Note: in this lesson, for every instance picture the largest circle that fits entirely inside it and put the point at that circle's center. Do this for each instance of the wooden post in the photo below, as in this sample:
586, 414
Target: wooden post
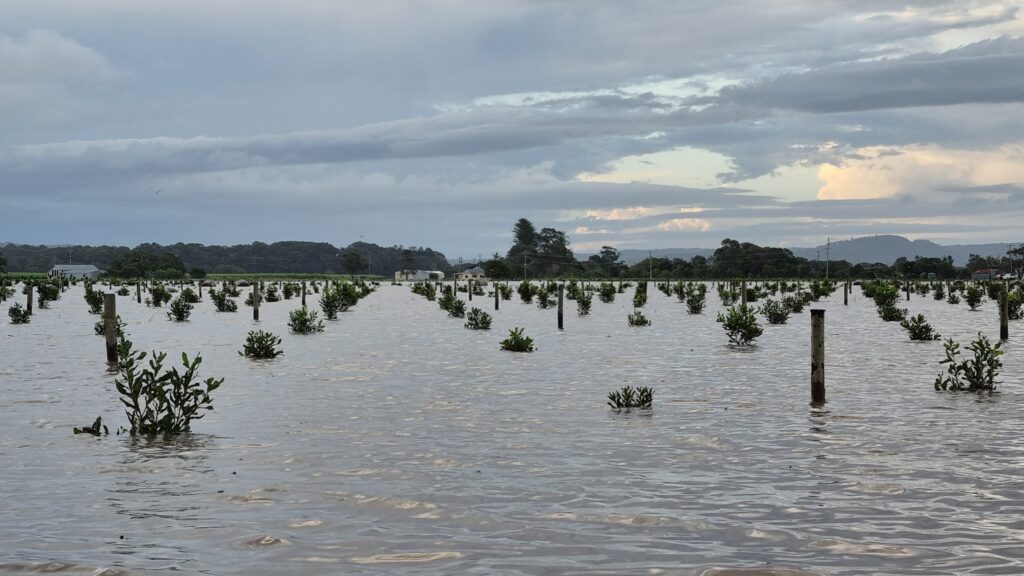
110, 326
303, 293
256, 300
1004, 313
561, 294
31, 294
908, 290
138, 292
846, 293
817, 356
469, 289
743, 292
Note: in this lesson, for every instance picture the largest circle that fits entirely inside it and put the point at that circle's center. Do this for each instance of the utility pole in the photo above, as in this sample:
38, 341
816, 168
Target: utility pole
828, 244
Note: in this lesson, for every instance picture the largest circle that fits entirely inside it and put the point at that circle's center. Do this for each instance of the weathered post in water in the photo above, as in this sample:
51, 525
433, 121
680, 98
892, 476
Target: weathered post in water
303, 293
110, 326
256, 300
497, 296
743, 292
1004, 313
138, 292
908, 290
817, 356
561, 295
469, 289
31, 294
846, 293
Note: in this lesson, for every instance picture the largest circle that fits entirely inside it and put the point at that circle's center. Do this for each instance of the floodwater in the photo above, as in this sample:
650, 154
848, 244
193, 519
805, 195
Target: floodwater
398, 442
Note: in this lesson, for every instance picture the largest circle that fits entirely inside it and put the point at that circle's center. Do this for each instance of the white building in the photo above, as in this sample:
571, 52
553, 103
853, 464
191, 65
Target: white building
75, 271
476, 274
418, 275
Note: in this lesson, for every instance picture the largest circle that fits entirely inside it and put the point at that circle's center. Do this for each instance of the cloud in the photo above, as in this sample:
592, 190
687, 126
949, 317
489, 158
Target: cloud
47, 78
984, 72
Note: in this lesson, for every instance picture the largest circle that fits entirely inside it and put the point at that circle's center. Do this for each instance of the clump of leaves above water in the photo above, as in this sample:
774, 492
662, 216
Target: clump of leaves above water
221, 301
477, 319
179, 310
158, 296
261, 345
740, 325
159, 401
637, 318
94, 299
98, 428
607, 292
775, 312
305, 321
101, 327
973, 296
517, 341
628, 397
975, 374
19, 315
919, 329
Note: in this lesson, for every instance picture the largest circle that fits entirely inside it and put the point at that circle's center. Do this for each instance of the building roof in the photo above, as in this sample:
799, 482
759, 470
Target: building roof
474, 270
75, 268
987, 271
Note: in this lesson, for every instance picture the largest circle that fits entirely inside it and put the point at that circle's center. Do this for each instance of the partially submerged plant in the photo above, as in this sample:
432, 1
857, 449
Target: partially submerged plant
517, 342
189, 295
583, 302
607, 292
973, 296
98, 428
158, 401
94, 299
303, 321
221, 301
628, 397
892, 313
919, 329
158, 296
19, 315
977, 374
477, 319
261, 345
640, 295
775, 312
179, 310
939, 293
740, 324
696, 297
526, 291
637, 318
953, 298
101, 327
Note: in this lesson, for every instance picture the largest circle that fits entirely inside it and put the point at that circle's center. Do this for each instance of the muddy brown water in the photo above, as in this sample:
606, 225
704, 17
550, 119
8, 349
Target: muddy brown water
398, 442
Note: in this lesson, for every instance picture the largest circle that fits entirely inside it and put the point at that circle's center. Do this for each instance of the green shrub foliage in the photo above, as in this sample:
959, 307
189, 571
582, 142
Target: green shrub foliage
517, 341
158, 401
628, 397
261, 345
477, 319
740, 325
304, 321
975, 374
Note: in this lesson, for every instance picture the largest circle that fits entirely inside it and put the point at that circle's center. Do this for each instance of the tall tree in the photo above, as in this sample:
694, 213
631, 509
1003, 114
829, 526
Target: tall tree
3, 264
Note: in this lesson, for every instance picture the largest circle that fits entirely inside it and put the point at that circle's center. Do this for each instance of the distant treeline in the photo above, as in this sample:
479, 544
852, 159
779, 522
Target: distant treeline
283, 257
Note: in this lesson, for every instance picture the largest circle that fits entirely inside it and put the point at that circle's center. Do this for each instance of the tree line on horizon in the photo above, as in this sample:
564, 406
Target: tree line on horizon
175, 260
544, 253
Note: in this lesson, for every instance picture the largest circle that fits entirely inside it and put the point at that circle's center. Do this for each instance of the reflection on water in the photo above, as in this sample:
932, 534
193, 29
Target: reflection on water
397, 442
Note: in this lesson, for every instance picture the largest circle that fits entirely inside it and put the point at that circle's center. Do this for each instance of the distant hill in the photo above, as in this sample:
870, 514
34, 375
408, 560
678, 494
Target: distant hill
885, 249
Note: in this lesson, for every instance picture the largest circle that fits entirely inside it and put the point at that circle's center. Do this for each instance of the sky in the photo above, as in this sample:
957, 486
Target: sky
641, 124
